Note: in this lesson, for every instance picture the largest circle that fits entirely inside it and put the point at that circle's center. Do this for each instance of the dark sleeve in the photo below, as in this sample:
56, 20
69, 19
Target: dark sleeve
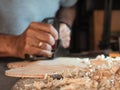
67, 14
67, 3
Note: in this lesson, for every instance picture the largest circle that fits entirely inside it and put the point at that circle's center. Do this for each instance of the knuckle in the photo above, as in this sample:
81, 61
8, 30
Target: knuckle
28, 31
26, 48
53, 31
32, 23
48, 47
50, 39
50, 28
45, 46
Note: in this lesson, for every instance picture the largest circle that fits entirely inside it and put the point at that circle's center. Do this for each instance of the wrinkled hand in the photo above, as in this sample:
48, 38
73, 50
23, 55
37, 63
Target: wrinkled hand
65, 35
38, 39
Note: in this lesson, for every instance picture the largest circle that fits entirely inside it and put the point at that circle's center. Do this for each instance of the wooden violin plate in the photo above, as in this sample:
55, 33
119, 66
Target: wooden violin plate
38, 69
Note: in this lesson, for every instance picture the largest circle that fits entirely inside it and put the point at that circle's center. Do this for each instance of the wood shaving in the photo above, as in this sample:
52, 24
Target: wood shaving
101, 75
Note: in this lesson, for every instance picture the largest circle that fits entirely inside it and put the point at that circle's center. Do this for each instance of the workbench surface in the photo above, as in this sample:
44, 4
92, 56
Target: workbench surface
6, 82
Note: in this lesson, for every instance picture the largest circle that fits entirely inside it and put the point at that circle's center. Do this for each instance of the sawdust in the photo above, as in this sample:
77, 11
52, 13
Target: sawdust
104, 75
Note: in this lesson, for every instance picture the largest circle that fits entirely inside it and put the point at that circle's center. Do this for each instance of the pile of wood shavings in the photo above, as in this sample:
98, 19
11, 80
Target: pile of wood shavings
102, 74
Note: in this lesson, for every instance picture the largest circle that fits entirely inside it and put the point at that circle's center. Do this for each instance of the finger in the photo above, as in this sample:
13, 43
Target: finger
66, 39
45, 46
45, 27
42, 36
65, 34
35, 43
39, 52
62, 30
65, 44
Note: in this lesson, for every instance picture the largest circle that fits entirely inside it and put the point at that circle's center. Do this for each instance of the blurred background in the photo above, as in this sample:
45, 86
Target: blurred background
97, 26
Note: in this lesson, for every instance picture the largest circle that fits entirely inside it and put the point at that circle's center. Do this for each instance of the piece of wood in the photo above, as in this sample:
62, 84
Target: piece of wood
18, 64
56, 61
114, 54
35, 70
38, 69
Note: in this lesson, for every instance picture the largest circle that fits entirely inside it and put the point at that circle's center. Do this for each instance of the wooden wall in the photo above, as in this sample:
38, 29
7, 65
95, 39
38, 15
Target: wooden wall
98, 25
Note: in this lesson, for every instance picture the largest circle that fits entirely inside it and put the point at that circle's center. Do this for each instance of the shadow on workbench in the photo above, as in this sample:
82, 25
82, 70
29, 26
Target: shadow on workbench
6, 83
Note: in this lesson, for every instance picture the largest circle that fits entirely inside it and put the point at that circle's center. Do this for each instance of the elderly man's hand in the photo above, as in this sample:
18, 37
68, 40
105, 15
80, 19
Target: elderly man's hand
38, 39
65, 35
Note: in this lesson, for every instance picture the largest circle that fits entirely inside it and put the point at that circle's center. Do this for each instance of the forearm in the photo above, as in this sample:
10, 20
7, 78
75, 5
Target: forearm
67, 15
7, 45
